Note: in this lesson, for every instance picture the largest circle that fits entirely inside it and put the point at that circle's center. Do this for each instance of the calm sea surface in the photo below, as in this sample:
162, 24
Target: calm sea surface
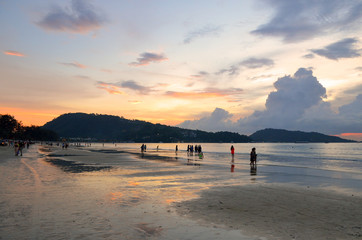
333, 165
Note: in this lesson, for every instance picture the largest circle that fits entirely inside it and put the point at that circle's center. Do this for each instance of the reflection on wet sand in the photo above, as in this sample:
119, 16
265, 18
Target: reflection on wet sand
253, 169
232, 169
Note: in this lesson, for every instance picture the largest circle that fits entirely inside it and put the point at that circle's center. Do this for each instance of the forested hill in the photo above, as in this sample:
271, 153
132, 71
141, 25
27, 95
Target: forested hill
113, 128
280, 135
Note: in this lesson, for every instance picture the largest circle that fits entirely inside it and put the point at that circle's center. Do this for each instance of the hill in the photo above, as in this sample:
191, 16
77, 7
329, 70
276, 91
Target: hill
113, 128
280, 135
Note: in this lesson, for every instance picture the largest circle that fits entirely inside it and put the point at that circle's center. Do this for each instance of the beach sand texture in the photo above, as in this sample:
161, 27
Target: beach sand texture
96, 193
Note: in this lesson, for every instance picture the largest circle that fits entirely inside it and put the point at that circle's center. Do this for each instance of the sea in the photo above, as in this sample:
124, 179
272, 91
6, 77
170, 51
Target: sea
337, 166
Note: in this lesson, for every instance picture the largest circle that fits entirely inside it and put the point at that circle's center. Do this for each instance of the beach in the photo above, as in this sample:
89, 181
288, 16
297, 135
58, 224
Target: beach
116, 192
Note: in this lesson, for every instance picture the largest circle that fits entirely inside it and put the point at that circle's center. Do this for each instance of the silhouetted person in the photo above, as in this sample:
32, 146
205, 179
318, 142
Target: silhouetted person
253, 157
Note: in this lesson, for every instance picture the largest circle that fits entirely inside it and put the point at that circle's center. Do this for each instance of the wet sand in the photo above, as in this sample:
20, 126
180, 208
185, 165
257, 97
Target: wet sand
92, 193
279, 212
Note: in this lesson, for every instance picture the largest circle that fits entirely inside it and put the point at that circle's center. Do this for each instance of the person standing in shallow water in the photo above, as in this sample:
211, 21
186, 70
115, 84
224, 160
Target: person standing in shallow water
253, 157
232, 150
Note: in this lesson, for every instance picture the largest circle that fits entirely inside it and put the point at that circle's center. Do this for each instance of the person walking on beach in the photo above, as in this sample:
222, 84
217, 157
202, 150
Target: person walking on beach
232, 150
16, 148
253, 157
176, 148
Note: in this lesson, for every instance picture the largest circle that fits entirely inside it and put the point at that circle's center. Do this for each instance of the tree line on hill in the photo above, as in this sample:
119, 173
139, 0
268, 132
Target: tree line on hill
12, 129
113, 128
108, 128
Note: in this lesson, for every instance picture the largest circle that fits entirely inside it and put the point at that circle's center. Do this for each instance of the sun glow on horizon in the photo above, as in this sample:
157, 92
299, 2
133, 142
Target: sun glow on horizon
351, 136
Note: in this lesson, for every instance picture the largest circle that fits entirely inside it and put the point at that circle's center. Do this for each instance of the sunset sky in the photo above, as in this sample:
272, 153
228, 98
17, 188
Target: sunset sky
214, 65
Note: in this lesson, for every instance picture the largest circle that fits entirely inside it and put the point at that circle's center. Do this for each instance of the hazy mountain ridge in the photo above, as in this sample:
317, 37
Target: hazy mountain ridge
281, 135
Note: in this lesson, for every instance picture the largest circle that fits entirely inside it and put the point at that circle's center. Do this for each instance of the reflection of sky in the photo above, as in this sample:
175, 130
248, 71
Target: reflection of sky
319, 165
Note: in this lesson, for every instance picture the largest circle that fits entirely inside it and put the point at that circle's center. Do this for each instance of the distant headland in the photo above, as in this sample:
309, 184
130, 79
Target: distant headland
109, 128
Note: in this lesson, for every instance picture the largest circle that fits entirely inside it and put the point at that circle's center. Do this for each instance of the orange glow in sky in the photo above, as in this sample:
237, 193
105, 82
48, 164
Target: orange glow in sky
14, 53
28, 117
351, 136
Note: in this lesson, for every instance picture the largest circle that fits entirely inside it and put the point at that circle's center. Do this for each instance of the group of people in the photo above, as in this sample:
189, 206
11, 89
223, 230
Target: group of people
19, 146
198, 150
144, 148
191, 149
253, 155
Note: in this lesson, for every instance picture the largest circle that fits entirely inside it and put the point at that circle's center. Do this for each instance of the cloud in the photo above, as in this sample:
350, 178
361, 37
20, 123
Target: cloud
75, 64
136, 87
358, 68
309, 56
257, 63
206, 93
344, 48
353, 110
110, 88
200, 74
115, 88
202, 32
296, 21
296, 104
250, 63
82, 77
80, 17
14, 53
147, 57
217, 121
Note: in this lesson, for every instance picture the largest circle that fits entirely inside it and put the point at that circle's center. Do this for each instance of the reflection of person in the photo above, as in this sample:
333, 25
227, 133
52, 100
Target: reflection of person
232, 150
252, 170
253, 157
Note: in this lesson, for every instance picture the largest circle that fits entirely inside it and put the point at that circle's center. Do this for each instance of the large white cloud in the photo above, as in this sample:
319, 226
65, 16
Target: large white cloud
218, 120
296, 104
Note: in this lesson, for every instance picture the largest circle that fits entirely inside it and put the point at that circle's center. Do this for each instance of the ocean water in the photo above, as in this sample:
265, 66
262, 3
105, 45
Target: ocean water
337, 166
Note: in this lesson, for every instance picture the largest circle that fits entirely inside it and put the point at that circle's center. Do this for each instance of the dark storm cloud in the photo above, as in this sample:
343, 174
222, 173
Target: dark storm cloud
345, 48
295, 21
80, 17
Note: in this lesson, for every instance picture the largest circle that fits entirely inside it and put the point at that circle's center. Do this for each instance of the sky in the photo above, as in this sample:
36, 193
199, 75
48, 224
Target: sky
212, 65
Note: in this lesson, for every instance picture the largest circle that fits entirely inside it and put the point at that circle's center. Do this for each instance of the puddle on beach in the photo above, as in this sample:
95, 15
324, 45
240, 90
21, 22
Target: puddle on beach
73, 167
